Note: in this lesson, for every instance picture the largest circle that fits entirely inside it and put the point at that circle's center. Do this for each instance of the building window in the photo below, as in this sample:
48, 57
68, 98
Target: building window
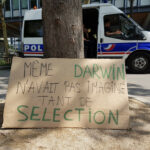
134, 3
145, 2
16, 4
95, 1
40, 3
7, 5
119, 3
24, 4
33, 3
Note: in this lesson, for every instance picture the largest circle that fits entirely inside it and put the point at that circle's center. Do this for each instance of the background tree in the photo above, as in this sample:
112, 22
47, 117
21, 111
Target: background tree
63, 29
4, 27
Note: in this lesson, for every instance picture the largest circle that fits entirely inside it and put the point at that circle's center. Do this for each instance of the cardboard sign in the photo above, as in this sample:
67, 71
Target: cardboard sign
87, 93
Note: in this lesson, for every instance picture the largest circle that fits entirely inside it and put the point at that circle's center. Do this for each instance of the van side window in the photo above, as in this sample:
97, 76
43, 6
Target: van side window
33, 28
119, 26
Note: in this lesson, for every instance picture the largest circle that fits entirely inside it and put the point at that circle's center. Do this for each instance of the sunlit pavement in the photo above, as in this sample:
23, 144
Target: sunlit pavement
4, 75
138, 85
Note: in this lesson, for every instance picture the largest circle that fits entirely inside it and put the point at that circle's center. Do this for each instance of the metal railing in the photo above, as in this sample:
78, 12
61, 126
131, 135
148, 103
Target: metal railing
19, 11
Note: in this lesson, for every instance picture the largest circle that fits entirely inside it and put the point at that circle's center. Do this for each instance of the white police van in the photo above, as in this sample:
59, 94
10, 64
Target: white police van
32, 33
132, 44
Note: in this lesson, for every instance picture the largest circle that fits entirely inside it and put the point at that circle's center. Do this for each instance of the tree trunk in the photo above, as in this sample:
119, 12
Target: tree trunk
63, 29
4, 31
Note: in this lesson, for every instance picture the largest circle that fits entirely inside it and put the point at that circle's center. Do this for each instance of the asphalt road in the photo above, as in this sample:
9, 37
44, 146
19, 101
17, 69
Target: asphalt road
138, 85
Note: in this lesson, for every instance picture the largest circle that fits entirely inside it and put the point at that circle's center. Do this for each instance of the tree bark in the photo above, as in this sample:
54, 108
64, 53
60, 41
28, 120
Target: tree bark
4, 30
63, 29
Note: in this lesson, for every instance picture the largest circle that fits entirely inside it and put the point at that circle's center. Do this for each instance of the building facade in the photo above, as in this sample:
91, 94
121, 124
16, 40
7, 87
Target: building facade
16, 8
14, 11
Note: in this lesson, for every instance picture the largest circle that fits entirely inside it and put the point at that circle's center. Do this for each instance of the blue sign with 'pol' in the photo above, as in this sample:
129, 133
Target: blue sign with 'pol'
33, 47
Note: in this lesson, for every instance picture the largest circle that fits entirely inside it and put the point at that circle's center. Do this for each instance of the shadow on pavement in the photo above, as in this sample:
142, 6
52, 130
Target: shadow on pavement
129, 72
1, 113
137, 90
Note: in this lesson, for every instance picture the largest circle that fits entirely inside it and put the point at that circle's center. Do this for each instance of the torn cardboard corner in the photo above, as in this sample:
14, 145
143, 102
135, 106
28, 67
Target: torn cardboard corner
84, 93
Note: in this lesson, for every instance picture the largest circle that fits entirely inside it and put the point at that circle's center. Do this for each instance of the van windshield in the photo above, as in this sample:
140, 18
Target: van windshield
33, 28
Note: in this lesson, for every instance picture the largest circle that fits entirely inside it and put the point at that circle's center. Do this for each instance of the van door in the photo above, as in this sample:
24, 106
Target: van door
90, 26
117, 36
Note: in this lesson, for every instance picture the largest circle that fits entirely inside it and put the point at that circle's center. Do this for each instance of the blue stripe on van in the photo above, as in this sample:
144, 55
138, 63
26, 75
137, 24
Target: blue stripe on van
144, 46
122, 47
118, 47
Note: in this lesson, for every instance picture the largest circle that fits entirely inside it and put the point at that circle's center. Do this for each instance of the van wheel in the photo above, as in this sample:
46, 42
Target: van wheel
139, 62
